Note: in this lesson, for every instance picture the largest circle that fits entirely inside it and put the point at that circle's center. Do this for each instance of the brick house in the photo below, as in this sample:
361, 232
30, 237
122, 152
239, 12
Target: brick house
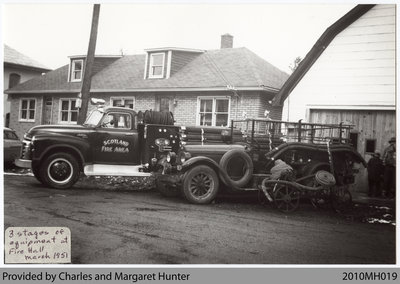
200, 87
18, 68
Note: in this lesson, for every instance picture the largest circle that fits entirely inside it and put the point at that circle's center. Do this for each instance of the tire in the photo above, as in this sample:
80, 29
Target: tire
60, 170
167, 190
200, 185
246, 172
36, 173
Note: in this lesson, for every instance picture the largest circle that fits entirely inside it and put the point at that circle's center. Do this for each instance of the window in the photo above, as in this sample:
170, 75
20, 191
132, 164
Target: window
128, 102
8, 134
370, 145
14, 80
213, 111
68, 111
27, 110
76, 70
117, 120
156, 69
164, 104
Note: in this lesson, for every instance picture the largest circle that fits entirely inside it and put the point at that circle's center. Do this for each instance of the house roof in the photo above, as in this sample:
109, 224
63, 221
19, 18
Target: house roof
13, 57
213, 69
318, 48
175, 49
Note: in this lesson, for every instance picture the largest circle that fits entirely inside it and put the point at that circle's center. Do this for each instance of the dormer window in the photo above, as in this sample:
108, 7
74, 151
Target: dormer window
156, 68
162, 63
76, 70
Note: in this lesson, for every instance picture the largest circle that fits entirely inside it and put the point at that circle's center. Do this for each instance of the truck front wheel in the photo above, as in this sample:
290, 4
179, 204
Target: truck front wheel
60, 170
36, 173
200, 185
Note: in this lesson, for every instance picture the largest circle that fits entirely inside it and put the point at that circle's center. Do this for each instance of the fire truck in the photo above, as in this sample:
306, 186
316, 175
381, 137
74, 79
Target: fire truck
196, 161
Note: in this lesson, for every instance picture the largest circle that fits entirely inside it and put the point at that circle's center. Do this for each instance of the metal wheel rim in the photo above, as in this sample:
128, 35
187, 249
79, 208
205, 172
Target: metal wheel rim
62, 169
201, 185
287, 199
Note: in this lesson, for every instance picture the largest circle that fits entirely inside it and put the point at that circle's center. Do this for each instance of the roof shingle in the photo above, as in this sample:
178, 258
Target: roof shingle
12, 56
238, 67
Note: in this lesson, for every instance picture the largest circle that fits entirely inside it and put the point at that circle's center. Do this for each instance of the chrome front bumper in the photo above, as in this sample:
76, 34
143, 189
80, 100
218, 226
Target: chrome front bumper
23, 163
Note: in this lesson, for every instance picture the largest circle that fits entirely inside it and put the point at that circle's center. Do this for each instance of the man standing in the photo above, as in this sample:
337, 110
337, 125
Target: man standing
389, 176
375, 172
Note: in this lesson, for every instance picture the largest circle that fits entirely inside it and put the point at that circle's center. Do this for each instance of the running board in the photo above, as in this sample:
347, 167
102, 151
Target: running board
114, 170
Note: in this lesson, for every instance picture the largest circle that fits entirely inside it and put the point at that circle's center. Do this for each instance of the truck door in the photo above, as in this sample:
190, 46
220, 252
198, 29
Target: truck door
116, 140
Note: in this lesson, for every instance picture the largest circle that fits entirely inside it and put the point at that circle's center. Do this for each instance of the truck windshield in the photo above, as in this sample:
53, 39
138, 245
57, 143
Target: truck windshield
94, 118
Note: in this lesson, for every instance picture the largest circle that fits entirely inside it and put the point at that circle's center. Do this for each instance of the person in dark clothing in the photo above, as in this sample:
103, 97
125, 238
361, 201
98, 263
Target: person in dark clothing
389, 176
375, 172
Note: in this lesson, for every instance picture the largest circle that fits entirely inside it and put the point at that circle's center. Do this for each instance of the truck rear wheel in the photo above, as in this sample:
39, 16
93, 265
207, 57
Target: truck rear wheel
200, 185
60, 170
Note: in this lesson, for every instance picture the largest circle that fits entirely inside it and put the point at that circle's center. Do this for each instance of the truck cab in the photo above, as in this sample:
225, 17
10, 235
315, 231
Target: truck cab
112, 141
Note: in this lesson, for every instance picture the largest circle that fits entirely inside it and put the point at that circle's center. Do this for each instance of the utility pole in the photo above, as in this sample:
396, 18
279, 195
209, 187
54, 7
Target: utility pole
87, 71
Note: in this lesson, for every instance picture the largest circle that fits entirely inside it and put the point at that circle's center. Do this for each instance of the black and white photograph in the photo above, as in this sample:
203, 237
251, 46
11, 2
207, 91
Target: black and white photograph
199, 133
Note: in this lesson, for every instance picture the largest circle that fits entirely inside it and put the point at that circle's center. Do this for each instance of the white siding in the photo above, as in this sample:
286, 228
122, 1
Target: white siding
356, 69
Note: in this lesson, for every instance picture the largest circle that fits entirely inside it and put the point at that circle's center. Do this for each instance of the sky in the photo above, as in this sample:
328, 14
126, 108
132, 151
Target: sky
278, 33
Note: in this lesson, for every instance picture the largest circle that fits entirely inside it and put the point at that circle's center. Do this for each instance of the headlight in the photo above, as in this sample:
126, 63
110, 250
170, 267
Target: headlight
183, 156
161, 142
171, 157
27, 136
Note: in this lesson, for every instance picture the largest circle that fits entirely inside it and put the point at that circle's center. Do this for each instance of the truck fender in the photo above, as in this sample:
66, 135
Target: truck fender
44, 144
202, 160
64, 146
274, 154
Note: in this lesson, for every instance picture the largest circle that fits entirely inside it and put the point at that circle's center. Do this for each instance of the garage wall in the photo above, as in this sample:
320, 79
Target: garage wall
378, 125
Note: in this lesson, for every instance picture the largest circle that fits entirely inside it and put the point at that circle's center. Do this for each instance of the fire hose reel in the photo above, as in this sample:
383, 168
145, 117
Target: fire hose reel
325, 178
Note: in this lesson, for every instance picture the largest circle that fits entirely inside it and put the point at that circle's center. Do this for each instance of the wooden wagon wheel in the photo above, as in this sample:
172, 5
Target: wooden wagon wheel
286, 198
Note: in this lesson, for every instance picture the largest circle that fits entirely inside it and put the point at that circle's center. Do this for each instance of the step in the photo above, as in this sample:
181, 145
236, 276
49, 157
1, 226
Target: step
114, 170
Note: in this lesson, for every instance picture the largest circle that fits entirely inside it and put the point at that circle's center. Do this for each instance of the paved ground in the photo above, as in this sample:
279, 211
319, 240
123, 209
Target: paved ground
110, 224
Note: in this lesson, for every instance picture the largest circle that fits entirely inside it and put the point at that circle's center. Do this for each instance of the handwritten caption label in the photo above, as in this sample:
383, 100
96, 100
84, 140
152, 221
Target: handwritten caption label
37, 245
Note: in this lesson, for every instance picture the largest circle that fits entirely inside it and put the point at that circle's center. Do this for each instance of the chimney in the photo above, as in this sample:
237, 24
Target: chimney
226, 41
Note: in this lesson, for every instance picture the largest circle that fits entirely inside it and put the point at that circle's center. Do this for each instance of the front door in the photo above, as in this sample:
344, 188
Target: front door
47, 114
116, 141
165, 103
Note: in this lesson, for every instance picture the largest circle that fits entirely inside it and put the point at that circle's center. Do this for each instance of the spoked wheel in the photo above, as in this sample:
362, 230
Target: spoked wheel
341, 199
200, 185
287, 198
